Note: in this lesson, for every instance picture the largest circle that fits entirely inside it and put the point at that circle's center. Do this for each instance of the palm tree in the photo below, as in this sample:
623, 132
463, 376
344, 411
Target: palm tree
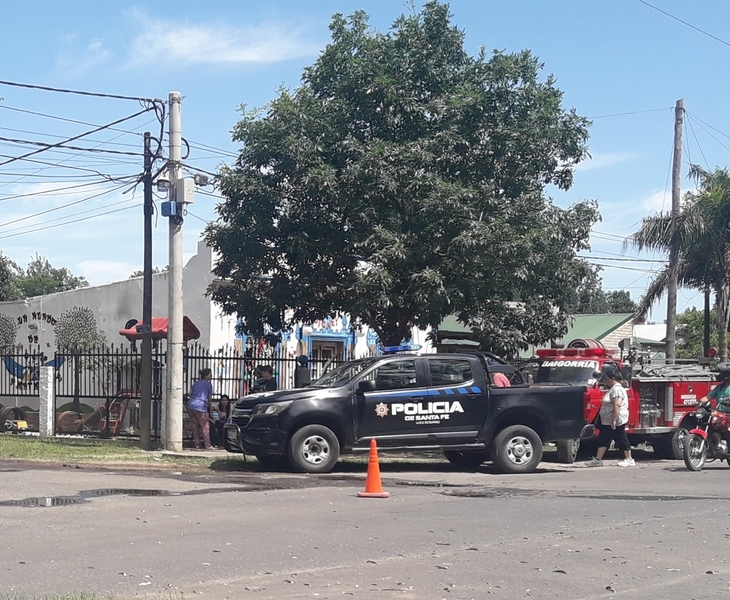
702, 239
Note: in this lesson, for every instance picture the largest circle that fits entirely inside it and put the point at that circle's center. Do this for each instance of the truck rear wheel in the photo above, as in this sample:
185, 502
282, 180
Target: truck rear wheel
678, 442
567, 450
313, 449
517, 449
466, 459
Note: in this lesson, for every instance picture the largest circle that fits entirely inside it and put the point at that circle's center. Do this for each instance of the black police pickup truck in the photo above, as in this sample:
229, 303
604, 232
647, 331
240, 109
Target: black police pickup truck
431, 401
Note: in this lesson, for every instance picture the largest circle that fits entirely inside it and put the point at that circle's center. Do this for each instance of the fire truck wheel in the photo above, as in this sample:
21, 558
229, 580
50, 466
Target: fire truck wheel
466, 459
567, 451
517, 449
678, 442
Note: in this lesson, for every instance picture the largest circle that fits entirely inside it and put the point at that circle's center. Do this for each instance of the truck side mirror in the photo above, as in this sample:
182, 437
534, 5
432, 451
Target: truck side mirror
367, 385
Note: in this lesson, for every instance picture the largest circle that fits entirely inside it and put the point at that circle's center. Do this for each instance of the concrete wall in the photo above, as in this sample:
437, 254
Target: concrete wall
116, 303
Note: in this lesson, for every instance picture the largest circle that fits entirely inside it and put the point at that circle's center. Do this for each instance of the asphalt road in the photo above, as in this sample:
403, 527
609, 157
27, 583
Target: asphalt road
653, 531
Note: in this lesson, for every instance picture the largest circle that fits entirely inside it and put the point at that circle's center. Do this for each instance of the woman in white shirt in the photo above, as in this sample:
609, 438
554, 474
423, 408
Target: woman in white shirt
613, 416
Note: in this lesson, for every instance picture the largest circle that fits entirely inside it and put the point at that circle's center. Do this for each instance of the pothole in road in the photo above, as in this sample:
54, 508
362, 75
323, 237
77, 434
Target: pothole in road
485, 492
86, 495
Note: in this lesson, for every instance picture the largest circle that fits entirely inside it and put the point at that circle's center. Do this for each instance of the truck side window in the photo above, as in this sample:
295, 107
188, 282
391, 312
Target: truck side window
449, 371
394, 375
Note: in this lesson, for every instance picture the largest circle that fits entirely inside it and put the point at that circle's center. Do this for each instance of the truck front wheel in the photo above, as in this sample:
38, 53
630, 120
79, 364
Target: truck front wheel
314, 449
517, 449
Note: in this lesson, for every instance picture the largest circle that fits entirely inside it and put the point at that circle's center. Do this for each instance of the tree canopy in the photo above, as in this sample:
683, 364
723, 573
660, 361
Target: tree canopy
702, 240
404, 181
591, 298
38, 279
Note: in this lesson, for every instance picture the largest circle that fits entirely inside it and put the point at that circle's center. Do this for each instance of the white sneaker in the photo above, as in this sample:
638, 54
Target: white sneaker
594, 462
626, 462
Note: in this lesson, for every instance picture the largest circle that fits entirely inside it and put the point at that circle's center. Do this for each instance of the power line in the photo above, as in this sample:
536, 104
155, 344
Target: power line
67, 120
702, 31
212, 149
79, 92
53, 191
692, 129
635, 112
83, 212
2, 237
76, 137
62, 145
59, 165
625, 259
646, 271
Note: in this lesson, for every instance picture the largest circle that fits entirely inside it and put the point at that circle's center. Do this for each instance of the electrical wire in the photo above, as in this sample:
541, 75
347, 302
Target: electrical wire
10, 235
703, 32
57, 191
76, 137
79, 92
623, 114
625, 259
206, 148
38, 214
645, 271
59, 165
697, 141
66, 146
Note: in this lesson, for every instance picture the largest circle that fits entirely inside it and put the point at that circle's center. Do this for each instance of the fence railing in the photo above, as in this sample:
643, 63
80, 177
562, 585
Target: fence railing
99, 377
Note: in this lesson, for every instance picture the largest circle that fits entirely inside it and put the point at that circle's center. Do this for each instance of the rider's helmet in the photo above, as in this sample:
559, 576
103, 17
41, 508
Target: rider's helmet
723, 371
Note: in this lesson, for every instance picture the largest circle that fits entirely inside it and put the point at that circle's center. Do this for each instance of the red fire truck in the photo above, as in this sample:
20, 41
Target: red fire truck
661, 397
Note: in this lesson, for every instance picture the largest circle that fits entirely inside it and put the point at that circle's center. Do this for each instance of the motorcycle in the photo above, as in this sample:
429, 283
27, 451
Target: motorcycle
709, 440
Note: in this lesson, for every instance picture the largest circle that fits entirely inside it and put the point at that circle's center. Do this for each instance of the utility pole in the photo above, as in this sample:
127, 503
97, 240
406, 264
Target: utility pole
145, 405
174, 405
674, 250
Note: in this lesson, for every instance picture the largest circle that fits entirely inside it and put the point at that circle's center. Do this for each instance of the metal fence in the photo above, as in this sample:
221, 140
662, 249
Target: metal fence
107, 380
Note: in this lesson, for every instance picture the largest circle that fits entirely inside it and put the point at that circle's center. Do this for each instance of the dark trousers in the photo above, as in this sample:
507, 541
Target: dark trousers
216, 433
606, 435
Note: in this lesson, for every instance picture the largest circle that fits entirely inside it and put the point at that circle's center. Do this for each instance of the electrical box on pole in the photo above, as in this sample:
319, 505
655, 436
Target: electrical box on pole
185, 190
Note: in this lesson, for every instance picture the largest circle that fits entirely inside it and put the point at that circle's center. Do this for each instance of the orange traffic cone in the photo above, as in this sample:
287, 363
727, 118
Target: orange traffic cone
373, 486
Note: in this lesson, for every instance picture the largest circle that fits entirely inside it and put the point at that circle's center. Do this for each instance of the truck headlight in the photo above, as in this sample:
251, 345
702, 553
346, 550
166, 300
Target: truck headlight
271, 409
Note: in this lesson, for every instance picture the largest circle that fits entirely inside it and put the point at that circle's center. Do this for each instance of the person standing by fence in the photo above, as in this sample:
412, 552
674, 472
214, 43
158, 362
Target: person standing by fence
198, 404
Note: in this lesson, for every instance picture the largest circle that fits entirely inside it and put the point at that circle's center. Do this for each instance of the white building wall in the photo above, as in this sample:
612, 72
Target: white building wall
116, 303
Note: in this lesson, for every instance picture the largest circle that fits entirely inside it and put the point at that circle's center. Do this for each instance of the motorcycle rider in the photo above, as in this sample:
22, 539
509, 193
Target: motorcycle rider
721, 393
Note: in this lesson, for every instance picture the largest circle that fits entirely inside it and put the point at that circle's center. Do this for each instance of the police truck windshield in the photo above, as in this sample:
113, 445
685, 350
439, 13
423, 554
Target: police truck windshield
344, 373
572, 372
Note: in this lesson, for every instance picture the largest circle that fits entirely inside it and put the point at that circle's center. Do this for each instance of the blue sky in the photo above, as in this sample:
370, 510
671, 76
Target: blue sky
619, 62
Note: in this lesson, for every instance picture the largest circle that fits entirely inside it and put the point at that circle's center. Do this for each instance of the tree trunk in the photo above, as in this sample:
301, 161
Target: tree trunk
723, 313
706, 323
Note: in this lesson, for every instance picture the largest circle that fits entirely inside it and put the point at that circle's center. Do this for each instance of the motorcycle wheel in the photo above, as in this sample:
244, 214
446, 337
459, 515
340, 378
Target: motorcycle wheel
695, 452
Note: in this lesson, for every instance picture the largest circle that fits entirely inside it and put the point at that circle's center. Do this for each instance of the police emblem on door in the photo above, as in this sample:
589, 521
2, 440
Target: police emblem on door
381, 409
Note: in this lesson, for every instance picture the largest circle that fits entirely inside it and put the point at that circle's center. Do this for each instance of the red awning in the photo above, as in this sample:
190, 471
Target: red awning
159, 330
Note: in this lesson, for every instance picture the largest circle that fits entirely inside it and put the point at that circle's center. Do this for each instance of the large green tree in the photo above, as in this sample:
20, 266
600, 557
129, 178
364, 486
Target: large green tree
403, 181
702, 240
41, 278
690, 333
9, 276
591, 298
